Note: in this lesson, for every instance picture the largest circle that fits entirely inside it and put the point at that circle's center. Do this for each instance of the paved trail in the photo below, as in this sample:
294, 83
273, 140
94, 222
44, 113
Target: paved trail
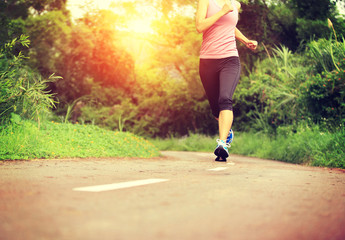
179, 196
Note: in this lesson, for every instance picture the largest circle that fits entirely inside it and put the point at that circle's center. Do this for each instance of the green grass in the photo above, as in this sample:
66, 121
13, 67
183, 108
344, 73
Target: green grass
23, 140
307, 146
194, 143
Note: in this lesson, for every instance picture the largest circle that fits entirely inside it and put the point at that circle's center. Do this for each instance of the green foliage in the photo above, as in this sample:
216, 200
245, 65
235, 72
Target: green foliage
22, 91
167, 97
23, 8
290, 23
311, 9
324, 92
192, 142
86, 53
277, 94
98, 52
288, 88
157, 111
327, 54
307, 145
50, 34
289, 148
311, 18
271, 94
164, 96
168, 107
23, 140
308, 29
324, 95
13, 14
332, 155
179, 61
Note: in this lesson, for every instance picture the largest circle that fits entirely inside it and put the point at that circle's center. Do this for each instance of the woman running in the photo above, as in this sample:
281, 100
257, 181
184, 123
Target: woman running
219, 63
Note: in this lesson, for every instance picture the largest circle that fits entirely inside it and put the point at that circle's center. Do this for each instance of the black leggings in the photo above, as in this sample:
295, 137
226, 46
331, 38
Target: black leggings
219, 78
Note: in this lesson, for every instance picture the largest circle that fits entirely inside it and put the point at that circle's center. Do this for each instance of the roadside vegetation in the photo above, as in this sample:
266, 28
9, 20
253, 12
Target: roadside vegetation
309, 146
119, 84
26, 131
23, 140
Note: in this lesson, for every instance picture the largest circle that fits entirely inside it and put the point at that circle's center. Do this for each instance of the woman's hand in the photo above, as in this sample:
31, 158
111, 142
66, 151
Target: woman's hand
252, 45
202, 22
227, 8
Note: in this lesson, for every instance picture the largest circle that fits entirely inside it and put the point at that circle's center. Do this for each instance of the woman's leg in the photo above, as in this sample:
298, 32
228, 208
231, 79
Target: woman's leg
209, 75
229, 77
226, 118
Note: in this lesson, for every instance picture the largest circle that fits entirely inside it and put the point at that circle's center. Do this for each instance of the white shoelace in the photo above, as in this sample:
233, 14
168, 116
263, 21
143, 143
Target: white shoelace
224, 144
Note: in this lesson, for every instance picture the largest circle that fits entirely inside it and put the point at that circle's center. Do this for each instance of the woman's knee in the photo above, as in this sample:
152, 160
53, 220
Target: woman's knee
225, 103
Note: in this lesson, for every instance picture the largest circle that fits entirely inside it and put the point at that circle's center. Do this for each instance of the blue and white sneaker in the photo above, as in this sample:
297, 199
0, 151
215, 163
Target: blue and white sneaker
221, 150
230, 137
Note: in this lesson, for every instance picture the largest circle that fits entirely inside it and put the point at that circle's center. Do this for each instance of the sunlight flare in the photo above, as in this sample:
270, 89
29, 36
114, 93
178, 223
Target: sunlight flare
142, 25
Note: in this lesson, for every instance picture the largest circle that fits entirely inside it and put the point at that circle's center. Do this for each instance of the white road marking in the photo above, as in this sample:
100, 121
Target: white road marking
114, 186
218, 169
231, 163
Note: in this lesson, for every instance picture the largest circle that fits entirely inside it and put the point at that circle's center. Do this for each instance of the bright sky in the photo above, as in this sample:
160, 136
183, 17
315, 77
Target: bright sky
75, 6
140, 24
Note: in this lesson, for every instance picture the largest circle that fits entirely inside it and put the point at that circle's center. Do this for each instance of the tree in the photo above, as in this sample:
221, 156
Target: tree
314, 9
288, 22
13, 13
107, 63
85, 54
178, 51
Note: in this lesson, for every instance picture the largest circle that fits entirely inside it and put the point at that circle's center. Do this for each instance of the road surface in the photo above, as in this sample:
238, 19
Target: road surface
181, 195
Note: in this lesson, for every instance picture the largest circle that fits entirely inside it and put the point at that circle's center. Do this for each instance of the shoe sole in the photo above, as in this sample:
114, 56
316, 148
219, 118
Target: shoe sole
219, 159
221, 153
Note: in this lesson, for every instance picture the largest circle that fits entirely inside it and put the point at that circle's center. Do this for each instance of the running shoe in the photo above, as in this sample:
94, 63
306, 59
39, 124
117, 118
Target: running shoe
221, 150
230, 137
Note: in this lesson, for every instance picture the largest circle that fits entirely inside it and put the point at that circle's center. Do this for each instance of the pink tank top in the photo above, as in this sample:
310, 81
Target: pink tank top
219, 40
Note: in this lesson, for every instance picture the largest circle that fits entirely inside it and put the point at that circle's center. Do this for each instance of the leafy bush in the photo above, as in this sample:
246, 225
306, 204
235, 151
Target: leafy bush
326, 54
271, 94
307, 145
22, 90
332, 155
324, 93
324, 96
288, 88
159, 107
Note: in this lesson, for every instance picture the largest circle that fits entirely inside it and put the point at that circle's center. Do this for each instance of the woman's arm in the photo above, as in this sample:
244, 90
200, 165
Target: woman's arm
202, 23
251, 44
